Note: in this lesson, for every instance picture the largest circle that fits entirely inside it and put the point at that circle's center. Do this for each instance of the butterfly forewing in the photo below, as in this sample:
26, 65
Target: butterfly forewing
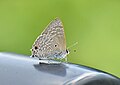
51, 41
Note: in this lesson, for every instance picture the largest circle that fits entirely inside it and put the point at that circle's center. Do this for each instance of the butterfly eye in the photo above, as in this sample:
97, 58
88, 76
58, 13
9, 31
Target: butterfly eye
36, 47
67, 51
55, 45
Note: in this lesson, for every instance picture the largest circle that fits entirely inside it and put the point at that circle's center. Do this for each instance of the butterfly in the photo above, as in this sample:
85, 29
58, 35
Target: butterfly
51, 43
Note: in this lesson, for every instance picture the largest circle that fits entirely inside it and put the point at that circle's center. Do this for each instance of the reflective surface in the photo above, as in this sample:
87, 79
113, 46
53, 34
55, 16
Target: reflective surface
22, 70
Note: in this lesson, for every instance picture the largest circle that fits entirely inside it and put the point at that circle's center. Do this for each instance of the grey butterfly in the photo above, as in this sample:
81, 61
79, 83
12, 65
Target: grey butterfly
51, 43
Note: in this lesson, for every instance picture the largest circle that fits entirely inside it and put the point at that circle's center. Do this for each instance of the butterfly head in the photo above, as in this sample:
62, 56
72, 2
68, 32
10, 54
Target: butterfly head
67, 51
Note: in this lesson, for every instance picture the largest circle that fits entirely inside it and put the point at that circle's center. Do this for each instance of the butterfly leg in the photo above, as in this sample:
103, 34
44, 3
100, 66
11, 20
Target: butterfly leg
60, 60
40, 61
66, 59
49, 61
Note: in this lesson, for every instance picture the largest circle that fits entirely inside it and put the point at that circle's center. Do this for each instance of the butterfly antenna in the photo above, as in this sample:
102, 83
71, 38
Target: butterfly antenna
72, 45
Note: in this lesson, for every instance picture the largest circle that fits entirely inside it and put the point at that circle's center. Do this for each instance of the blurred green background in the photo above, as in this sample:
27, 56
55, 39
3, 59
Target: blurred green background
94, 24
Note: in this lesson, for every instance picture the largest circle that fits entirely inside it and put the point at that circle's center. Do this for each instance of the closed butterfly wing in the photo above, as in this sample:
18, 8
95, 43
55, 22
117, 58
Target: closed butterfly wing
51, 43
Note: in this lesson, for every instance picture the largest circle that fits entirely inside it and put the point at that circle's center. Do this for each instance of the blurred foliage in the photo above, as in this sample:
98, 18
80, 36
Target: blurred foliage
94, 24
